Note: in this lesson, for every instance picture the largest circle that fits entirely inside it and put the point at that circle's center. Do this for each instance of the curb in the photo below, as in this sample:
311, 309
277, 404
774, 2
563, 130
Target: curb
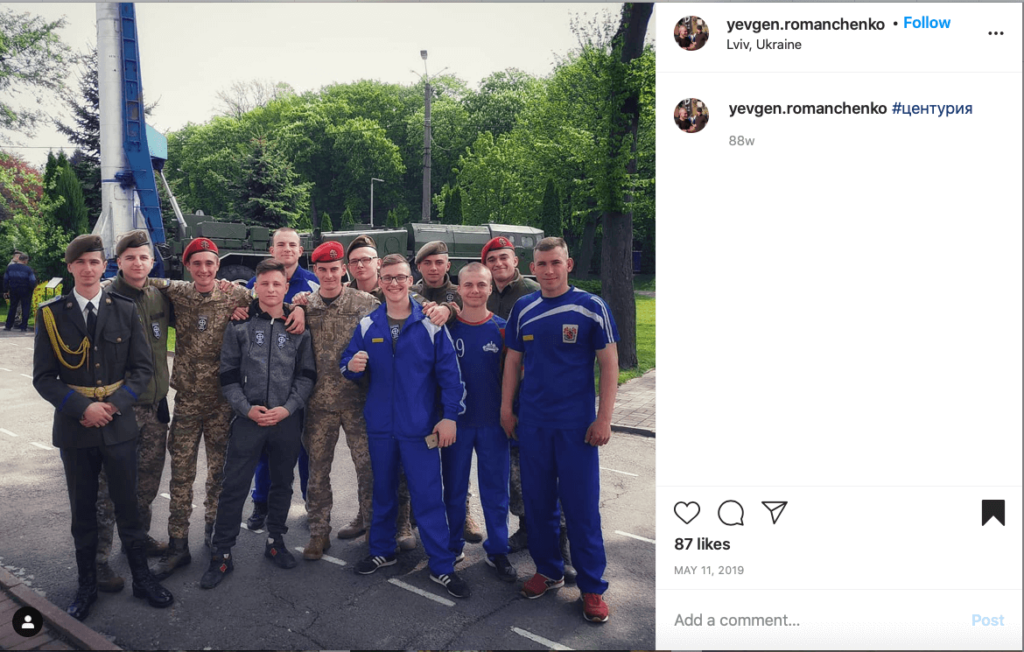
633, 430
80, 634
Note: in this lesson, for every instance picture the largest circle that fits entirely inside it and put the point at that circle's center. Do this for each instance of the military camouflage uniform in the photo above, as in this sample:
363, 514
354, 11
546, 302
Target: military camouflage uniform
155, 313
335, 403
200, 410
500, 303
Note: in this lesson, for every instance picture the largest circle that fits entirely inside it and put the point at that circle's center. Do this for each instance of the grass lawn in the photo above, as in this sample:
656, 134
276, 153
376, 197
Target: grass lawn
644, 338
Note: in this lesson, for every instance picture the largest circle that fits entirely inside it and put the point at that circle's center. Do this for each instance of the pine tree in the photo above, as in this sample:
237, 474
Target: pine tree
325, 224
346, 218
551, 212
269, 193
85, 111
71, 215
453, 208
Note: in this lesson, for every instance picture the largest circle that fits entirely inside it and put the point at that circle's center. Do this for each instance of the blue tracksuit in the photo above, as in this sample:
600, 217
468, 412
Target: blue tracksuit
480, 347
407, 377
560, 337
301, 281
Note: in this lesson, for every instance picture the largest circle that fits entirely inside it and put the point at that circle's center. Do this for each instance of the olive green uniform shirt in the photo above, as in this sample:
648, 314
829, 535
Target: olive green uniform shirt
155, 314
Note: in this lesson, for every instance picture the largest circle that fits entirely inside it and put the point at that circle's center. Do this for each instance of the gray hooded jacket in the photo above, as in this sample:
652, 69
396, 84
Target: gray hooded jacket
262, 364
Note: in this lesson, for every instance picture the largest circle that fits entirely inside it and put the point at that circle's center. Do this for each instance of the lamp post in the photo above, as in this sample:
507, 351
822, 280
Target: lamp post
425, 216
372, 179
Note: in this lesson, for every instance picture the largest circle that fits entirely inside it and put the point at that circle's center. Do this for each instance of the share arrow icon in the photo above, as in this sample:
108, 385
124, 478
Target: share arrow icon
775, 507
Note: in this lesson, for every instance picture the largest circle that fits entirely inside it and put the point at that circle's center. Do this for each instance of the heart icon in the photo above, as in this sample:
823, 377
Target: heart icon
687, 511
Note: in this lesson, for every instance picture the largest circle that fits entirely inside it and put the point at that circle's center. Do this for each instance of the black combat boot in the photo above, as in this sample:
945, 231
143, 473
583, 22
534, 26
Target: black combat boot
176, 556
143, 584
86, 594
258, 517
570, 572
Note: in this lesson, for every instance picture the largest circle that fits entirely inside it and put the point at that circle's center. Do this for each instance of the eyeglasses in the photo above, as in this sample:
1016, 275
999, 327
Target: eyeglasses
388, 280
359, 262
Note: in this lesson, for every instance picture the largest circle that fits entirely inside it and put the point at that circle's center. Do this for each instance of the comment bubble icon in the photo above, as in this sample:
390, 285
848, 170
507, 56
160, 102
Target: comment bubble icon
731, 513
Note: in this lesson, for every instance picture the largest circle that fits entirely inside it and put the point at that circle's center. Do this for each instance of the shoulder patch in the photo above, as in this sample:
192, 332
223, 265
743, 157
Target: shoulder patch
159, 283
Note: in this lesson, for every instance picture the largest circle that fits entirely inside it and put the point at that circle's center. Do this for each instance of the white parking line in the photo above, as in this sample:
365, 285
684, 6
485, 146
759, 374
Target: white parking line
333, 560
246, 527
43, 446
428, 596
605, 468
168, 497
551, 645
4, 369
7, 432
26, 376
627, 534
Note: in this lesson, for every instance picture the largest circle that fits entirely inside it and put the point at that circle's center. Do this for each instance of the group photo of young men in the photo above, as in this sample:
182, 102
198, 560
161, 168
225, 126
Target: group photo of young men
418, 376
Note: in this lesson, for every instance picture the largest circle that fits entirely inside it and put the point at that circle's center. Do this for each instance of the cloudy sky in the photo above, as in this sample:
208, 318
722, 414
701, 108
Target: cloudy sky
191, 51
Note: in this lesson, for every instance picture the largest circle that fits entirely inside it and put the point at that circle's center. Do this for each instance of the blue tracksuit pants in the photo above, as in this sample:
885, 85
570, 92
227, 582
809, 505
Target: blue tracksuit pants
261, 488
560, 465
492, 467
422, 468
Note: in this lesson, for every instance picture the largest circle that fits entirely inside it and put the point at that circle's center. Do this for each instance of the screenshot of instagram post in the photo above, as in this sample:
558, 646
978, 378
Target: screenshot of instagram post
841, 360
328, 326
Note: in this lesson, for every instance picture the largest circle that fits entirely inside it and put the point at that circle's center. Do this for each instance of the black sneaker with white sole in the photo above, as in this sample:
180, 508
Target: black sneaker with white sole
503, 567
373, 562
456, 586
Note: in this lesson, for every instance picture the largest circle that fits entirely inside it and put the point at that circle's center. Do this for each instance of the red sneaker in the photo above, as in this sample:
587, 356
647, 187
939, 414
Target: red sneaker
594, 608
539, 584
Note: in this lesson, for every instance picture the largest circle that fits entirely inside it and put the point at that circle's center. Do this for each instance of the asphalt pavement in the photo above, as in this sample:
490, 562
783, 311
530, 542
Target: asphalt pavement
323, 604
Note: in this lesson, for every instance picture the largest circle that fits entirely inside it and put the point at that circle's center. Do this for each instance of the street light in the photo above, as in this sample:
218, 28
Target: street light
372, 179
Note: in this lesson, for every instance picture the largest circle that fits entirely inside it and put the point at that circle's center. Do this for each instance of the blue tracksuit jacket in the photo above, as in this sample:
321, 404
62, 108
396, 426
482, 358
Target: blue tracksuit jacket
403, 393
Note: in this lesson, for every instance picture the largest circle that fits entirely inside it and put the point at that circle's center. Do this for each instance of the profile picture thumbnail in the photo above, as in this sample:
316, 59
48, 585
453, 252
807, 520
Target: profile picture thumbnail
691, 33
691, 115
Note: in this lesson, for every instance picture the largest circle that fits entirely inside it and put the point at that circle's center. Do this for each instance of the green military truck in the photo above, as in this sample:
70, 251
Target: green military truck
241, 247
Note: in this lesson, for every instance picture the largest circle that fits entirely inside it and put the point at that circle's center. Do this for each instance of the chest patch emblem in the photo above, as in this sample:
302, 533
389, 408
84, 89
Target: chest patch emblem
395, 330
449, 297
569, 333
281, 340
156, 329
260, 338
491, 347
203, 322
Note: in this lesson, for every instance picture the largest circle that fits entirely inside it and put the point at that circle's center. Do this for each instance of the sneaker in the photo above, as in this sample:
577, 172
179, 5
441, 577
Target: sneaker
278, 552
456, 586
595, 609
539, 584
220, 565
373, 562
460, 556
503, 567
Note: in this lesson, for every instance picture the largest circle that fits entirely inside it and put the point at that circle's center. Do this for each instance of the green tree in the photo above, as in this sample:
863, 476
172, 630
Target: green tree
269, 192
33, 60
551, 211
346, 217
65, 191
325, 224
21, 188
453, 208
